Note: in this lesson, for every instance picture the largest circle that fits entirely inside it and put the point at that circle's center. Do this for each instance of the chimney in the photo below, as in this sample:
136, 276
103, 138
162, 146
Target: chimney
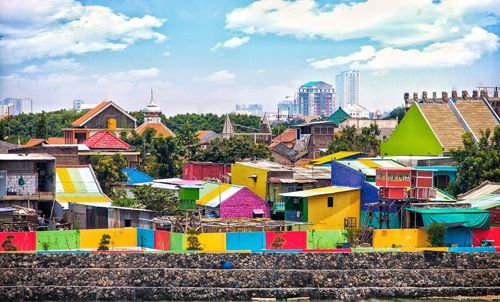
434, 96
483, 93
465, 94
415, 96
406, 96
444, 96
495, 93
454, 95
424, 96
474, 94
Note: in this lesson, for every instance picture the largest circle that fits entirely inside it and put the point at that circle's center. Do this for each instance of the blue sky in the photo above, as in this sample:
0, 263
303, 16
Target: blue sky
207, 56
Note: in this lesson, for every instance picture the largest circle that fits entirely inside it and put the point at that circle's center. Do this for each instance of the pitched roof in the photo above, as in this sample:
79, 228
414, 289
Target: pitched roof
283, 150
6, 146
105, 140
135, 176
33, 142
78, 184
206, 136
96, 110
444, 124
477, 115
338, 116
486, 187
314, 83
334, 156
160, 129
55, 140
319, 191
288, 136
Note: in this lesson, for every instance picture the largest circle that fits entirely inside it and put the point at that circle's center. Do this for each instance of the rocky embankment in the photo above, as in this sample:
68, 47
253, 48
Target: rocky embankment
346, 276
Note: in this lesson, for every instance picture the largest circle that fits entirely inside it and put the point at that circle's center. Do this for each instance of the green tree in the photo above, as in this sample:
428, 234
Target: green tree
233, 149
398, 112
120, 199
108, 170
41, 126
350, 139
193, 244
477, 162
104, 242
187, 141
157, 200
278, 129
436, 233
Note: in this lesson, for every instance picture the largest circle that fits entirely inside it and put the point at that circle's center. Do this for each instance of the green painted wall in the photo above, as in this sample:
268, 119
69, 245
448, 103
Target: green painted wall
324, 239
413, 136
58, 240
176, 242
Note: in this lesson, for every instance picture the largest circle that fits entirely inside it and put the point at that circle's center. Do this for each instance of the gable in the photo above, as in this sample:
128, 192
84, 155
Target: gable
97, 118
106, 140
413, 136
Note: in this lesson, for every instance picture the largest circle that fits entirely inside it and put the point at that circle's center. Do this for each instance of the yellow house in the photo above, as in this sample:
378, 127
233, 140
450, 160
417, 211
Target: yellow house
328, 208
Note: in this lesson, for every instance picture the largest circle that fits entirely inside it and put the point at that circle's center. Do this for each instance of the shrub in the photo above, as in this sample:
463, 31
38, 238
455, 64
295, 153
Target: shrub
192, 240
436, 233
104, 243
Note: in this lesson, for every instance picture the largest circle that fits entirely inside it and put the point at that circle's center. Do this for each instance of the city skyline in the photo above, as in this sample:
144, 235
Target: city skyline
208, 56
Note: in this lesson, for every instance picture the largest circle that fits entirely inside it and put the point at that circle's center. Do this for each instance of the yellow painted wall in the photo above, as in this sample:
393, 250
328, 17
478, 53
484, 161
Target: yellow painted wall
421, 249
210, 242
89, 239
404, 238
240, 174
345, 204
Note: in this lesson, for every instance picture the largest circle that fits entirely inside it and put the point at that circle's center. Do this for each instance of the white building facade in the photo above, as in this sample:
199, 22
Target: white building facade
347, 88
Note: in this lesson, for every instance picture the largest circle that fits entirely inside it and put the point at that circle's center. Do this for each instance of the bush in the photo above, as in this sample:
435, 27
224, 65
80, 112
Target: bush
436, 233
104, 243
192, 240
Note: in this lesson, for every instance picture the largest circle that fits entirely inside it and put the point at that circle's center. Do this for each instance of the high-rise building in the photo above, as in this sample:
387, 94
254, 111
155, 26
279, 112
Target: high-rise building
287, 106
79, 105
315, 98
347, 88
252, 109
15, 106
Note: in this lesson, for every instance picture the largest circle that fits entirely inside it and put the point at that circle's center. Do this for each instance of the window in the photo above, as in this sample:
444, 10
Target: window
128, 223
330, 202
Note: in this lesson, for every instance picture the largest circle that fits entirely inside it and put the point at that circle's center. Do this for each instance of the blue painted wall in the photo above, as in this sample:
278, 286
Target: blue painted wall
146, 238
253, 241
460, 236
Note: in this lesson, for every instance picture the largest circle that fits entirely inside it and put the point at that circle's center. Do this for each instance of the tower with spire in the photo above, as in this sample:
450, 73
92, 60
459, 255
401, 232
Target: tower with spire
152, 119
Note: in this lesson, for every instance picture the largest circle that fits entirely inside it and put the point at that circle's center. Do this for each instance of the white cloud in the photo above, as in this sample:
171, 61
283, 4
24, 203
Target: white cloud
231, 43
261, 71
219, 77
364, 54
389, 22
52, 66
167, 53
464, 51
33, 29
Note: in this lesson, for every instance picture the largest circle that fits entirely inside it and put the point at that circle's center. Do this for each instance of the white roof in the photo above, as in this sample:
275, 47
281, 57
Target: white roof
81, 147
26, 157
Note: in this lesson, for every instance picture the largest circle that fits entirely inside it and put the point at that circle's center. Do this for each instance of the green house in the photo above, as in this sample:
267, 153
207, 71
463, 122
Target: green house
436, 128
188, 195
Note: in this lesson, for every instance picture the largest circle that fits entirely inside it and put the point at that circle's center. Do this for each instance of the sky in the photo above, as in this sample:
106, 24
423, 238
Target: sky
208, 55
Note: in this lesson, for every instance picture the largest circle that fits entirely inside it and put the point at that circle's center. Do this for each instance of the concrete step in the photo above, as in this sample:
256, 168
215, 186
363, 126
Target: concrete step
90, 293
250, 278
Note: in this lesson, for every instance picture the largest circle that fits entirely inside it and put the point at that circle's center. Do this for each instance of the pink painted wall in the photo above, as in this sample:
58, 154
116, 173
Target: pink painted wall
294, 240
23, 241
242, 204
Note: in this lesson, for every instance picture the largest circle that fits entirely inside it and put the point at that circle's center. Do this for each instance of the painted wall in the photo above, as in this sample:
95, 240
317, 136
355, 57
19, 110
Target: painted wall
89, 239
491, 234
324, 239
400, 238
240, 176
162, 240
322, 217
177, 242
413, 136
146, 238
242, 204
58, 240
460, 236
23, 241
210, 242
294, 240
252, 241
203, 170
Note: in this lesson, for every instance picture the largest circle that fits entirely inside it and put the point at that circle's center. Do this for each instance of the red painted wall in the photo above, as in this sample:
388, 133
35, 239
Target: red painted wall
491, 234
162, 240
23, 241
294, 240
203, 170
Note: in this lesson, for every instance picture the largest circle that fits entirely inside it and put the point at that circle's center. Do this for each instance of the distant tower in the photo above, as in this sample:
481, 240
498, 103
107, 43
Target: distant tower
228, 129
265, 125
152, 113
347, 88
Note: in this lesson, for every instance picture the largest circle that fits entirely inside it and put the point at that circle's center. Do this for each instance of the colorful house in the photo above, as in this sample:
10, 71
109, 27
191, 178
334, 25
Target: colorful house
105, 143
329, 208
443, 175
230, 201
486, 196
105, 116
206, 170
432, 128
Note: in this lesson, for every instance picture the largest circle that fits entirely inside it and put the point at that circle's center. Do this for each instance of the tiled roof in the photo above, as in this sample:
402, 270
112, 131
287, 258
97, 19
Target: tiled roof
105, 140
89, 114
160, 129
55, 140
205, 136
34, 142
288, 136
477, 115
444, 123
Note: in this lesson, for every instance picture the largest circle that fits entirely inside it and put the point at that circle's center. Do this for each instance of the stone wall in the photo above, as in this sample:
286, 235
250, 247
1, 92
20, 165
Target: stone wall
188, 276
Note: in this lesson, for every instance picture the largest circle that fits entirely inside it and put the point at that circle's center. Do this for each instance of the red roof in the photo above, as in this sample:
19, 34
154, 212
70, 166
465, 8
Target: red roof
33, 142
56, 141
288, 136
105, 140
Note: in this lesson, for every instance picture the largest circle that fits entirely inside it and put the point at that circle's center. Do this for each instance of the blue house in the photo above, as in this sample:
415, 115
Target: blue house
135, 176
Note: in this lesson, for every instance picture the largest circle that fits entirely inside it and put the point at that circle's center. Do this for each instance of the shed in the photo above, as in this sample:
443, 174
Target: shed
455, 217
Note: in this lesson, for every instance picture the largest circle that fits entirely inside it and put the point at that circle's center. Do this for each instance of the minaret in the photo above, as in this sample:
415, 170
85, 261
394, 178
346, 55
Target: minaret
228, 129
152, 112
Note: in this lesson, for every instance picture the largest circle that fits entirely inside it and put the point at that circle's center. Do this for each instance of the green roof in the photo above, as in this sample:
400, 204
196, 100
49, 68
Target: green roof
311, 84
447, 210
338, 116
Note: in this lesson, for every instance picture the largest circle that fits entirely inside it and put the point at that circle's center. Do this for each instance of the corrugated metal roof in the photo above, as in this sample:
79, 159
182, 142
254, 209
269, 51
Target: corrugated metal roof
334, 156
319, 191
135, 176
214, 194
26, 157
368, 166
78, 184
486, 201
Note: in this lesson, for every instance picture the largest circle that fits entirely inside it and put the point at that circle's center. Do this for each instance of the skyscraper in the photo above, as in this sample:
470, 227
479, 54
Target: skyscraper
17, 105
315, 98
347, 88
